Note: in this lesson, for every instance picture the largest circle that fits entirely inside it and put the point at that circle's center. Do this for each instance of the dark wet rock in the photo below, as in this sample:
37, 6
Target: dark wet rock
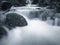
3, 32
5, 5
20, 2
35, 1
14, 20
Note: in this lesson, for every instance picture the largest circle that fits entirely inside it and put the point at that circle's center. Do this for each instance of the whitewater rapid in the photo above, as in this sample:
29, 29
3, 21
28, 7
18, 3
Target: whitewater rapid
37, 32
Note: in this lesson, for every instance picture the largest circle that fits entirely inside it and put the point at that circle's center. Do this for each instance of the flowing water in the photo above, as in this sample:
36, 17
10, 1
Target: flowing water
37, 32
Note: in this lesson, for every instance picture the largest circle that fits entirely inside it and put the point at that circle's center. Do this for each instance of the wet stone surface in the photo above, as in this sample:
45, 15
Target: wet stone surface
13, 20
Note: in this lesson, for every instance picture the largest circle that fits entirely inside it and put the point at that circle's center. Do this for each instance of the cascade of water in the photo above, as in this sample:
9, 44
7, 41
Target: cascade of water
29, 2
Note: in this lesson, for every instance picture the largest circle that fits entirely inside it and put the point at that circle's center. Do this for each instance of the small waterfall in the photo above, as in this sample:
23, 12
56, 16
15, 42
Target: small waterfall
29, 2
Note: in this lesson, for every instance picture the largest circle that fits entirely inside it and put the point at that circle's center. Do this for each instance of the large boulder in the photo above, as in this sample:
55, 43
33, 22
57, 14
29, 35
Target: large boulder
13, 20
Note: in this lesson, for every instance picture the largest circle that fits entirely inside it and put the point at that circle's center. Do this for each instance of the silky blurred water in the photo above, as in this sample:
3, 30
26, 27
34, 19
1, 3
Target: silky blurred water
37, 32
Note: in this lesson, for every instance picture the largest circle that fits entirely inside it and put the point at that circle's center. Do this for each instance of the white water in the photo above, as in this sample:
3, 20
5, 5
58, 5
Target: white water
36, 33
